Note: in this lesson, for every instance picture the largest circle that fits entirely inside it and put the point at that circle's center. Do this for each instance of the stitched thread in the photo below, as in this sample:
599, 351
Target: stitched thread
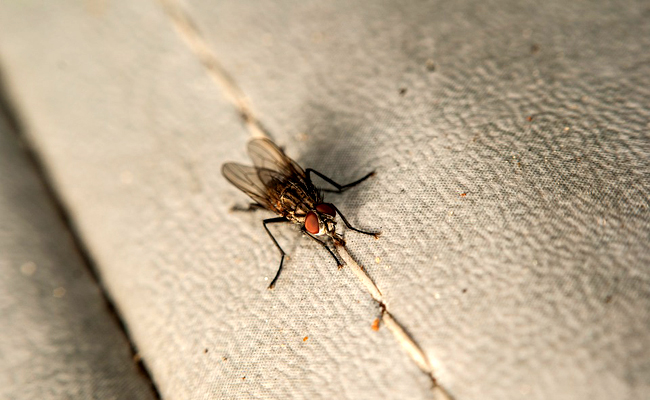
403, 338
192, 37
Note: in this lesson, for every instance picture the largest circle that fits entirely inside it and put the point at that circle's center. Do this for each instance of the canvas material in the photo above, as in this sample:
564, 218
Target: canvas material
511, 147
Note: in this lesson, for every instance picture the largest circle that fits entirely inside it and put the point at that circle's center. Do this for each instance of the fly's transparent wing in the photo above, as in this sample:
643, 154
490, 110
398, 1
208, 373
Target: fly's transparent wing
266, 155
247, 179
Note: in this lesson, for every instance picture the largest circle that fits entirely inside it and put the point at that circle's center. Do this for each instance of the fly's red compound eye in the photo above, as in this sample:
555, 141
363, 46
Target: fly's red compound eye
311, 223
326, 209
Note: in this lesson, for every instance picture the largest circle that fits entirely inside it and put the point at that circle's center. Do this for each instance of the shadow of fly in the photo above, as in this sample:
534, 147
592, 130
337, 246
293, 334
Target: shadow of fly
277, 183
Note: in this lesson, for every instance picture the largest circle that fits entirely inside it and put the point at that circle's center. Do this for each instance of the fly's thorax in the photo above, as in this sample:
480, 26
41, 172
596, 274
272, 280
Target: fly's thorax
297, 200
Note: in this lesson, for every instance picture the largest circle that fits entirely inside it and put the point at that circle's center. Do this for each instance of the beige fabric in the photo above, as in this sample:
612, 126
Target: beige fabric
511, 147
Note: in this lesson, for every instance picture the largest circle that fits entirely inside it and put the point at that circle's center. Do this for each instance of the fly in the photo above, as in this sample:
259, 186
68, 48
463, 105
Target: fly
277, 183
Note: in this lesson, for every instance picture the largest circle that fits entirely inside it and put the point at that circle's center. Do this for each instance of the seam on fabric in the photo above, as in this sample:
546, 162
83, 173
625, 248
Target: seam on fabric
189, 32
408, 343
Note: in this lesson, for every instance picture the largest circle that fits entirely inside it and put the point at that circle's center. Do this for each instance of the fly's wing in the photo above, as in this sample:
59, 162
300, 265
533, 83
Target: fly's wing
266, 155
247, 179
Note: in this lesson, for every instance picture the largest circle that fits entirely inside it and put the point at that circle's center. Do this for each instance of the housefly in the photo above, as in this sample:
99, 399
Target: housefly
277, 183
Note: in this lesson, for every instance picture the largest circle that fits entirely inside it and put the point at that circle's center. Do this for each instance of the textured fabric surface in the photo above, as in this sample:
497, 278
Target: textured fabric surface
512, 154
57, 338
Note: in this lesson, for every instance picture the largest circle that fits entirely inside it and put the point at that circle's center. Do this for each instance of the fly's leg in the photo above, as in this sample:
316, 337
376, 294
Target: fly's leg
345, 221
273, 221
338, 262
339, 188
251, 207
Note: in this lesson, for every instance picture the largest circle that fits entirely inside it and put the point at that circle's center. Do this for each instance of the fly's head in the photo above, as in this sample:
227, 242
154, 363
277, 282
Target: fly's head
321, 222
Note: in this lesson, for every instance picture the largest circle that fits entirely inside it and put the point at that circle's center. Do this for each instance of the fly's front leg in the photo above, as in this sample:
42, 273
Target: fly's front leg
338, 262
273, 221
345, 221
339, 188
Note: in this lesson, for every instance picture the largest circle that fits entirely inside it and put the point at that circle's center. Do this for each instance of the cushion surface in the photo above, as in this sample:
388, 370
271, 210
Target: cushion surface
510, 141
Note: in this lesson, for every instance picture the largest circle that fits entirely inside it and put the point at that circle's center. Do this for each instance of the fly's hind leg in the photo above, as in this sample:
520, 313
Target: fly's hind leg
251, 207
339, 188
